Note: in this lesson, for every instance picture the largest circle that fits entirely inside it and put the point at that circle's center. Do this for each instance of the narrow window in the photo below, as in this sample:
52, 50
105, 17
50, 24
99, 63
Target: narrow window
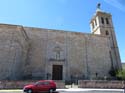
58, 55
93, 25
107, 21
95, 22
111, 59
102, 19
107, 33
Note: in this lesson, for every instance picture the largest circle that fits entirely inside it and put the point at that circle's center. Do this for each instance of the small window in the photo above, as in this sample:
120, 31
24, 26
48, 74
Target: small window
39, 83
46, 83
107, 33
57, 55
107, 21
93, 25
95, 22
102, 19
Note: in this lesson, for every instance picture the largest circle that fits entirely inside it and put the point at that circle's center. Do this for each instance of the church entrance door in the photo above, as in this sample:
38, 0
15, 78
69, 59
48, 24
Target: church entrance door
57, 72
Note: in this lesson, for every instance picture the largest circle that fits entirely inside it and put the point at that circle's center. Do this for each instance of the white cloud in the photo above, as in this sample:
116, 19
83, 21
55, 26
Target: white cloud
116, 3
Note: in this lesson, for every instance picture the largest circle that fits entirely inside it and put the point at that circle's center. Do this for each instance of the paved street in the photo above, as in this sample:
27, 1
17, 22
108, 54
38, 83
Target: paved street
74, 91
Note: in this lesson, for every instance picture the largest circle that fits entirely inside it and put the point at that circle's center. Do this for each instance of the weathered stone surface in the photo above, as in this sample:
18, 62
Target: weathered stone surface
101, 84
13, 50
20, 84
81, 55
36, 53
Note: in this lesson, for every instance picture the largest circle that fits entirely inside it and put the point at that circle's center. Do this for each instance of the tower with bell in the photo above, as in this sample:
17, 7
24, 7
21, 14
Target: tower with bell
101, 24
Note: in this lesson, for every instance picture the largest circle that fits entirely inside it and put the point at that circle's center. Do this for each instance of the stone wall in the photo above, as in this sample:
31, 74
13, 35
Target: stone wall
61, 84
81, 55
21, 84
31, 53
13, 51
101, 84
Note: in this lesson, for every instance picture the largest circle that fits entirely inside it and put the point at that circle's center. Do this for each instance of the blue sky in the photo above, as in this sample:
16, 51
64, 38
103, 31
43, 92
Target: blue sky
71, 15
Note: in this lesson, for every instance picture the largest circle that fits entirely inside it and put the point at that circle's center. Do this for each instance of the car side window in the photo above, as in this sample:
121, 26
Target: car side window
46, 83
39, 83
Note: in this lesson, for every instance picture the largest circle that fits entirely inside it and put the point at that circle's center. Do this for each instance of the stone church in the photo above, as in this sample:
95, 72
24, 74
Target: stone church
37, 53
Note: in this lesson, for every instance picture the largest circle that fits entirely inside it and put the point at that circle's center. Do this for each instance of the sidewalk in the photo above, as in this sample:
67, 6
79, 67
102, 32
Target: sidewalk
71, 86
71, 89
87, 89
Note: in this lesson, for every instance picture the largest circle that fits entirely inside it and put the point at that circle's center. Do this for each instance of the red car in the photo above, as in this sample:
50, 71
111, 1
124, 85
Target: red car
41, 86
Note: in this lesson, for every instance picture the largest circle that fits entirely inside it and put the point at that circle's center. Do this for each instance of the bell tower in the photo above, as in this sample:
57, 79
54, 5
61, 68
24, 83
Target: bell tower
101, 24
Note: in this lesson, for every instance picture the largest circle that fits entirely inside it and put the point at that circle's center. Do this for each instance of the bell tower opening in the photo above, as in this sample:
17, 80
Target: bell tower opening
101, 22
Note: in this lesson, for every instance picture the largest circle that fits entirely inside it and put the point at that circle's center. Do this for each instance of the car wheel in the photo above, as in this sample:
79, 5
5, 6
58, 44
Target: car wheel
29, 91
51, 90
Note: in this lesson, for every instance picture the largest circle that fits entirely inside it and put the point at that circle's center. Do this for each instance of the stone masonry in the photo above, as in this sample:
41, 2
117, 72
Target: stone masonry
37, 53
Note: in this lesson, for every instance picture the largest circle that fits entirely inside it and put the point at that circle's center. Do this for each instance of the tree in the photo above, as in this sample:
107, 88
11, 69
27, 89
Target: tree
121, 74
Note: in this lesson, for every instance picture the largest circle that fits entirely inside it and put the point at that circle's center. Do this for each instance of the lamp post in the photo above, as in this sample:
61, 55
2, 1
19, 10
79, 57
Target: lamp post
48, 75
71, 80
76, 76
96, 75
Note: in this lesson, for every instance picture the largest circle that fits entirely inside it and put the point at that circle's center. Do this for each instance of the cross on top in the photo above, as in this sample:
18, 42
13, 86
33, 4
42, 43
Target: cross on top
98, 6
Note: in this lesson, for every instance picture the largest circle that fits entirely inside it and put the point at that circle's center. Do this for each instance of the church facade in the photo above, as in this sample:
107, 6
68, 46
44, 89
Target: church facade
36, 53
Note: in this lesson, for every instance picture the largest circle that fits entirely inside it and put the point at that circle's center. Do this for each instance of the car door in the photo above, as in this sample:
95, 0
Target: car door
39, 86
46, 86
43, 86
